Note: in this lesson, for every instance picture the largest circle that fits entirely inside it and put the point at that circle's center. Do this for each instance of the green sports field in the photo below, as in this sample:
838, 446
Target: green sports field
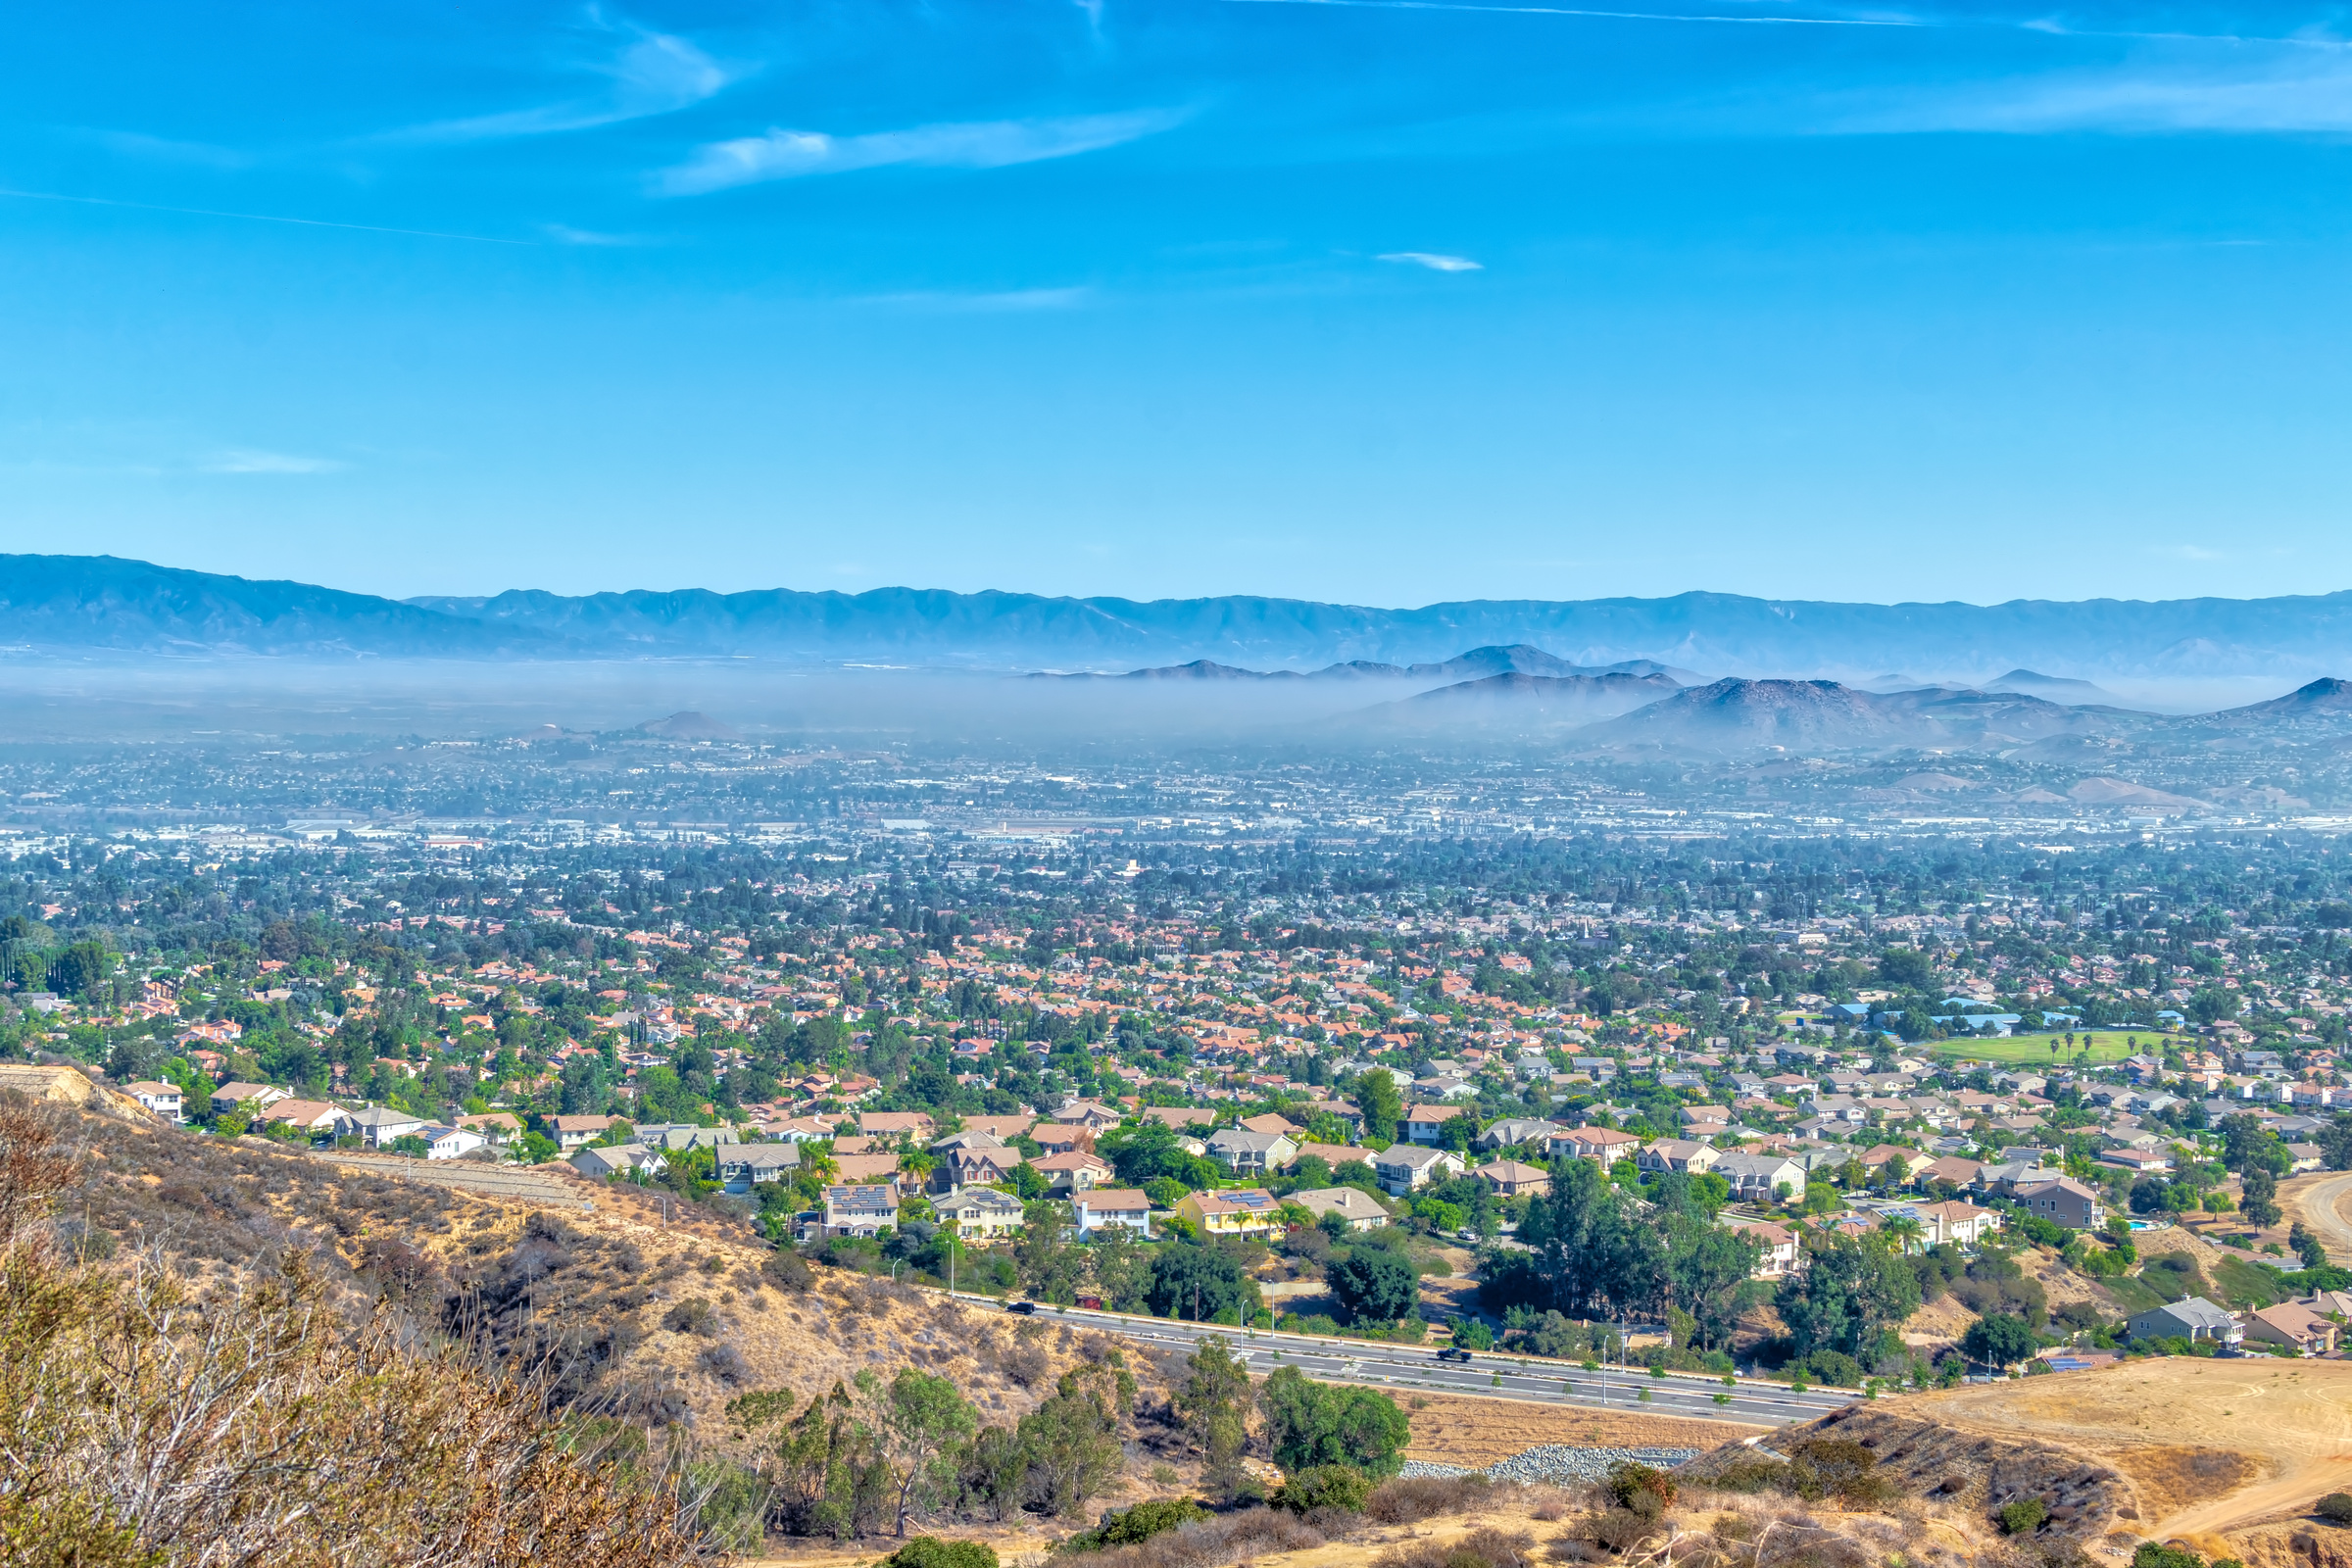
2106, 1045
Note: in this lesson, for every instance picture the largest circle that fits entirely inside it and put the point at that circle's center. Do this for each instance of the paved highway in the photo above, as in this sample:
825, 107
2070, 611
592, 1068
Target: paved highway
1491, 1375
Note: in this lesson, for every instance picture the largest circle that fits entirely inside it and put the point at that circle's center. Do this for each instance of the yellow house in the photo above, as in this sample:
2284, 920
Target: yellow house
1244, 1211
981, 1217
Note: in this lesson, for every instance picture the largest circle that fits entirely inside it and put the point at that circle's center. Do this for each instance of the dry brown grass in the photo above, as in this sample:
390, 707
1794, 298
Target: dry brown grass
2288, 1422
583, 1297
140, 1425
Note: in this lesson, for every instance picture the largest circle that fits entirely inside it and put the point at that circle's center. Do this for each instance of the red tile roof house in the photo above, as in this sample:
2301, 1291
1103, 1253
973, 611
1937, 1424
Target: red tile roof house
895, 1124
1780, 1253
1603, 1144
2289, 1323
314, 1116
1420, 1123
577, 1132
1512, 1178
1104, 1207
1076, 1171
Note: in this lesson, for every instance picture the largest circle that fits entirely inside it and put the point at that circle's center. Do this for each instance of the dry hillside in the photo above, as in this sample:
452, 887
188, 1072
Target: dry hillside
67, 1086
2226, 1455
654, 1321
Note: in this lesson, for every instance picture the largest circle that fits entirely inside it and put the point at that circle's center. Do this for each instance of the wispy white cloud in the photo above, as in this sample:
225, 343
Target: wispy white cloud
2283, 80
653, 73
254, 217
247, 460
987, 144
2274, 89
2188, 552
1434, 261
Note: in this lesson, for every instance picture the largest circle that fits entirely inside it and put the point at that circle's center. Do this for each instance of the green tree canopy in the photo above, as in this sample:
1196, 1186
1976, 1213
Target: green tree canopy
1372, 1284
1199, 1284
1854, 1291
1998, 1340
1311, 1423
1377, 1097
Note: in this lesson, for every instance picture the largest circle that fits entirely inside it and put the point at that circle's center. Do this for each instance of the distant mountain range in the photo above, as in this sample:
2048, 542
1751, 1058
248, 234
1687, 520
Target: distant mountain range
1519, 660
84, 603
1622, 713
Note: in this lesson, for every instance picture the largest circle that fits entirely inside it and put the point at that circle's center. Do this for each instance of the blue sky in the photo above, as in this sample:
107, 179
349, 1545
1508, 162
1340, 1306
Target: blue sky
1372, 302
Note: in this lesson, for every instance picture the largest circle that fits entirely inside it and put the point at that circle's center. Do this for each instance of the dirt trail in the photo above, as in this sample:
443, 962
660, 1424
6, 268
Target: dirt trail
2319, 1200
2292, 1419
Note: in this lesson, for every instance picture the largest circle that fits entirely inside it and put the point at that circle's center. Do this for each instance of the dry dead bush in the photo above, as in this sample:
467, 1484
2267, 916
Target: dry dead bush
694, 1315
1210, 1542
1486, 1546
141, 1427
1409, 1500
726, 1364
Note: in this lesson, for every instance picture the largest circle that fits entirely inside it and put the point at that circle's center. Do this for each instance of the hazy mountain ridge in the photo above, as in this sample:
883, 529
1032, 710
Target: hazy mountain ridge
1520, 700
102, 602
1692, 631
1478, 663
61, 602
1824, 715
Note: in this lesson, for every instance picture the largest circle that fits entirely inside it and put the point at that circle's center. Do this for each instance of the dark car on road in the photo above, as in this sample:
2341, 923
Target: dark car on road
1453, 1352
1022, 1307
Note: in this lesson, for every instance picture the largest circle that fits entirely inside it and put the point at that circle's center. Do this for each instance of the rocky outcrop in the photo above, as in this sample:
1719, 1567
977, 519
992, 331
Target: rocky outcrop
2090, 1501
68, 1086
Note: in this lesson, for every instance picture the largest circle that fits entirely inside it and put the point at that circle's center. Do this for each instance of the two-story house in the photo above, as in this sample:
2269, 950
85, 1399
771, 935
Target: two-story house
1252, 1154
1402, 1167
1104, 1207
1242, 1211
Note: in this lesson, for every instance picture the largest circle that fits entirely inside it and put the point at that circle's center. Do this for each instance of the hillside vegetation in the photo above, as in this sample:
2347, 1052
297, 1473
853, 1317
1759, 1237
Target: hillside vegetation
732, 1384
149, 1417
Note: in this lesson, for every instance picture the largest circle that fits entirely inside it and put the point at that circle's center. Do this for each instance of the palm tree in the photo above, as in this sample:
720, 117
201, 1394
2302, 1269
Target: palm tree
1905, 1230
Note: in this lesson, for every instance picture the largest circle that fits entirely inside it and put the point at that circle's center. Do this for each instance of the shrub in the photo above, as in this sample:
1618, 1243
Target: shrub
1210, 1542
1836, 1467
1483, 1548
1836, 1368
726, 1364
2335, 1507
2022, 1517
1750, 1475
929, 1551
1327, 1486
1620, 1530
788, 1270
1124, 1527
1643, 1488
1409, 1500
692, 1316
